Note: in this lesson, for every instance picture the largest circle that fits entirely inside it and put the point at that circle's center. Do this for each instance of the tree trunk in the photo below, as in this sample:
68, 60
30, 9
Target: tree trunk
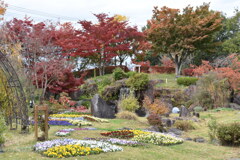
178, 69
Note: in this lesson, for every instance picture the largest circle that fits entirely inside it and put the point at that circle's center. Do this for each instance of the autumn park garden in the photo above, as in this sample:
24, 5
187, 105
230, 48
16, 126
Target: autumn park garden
109, 90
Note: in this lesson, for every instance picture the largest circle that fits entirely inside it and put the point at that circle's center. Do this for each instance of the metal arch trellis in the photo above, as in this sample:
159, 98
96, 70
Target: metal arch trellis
20, 108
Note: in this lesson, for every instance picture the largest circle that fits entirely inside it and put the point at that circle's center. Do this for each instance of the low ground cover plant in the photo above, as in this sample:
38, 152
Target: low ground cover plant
158, 139
127, 115
125, 134
71, 151
184, 125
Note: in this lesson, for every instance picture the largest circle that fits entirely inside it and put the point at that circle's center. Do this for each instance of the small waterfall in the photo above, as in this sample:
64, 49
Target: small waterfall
124, 92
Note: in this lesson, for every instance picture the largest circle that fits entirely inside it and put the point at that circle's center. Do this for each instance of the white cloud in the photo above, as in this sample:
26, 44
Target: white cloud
138, 11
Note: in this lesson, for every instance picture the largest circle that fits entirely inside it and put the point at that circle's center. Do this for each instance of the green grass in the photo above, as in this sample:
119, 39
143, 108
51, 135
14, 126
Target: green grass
19, 146
170, 81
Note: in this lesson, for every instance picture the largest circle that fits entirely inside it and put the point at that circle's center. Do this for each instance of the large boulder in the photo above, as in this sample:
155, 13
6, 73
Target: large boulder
112, 92
88, 88
75, 95
234, 106
236, 99
184, 112
101, 109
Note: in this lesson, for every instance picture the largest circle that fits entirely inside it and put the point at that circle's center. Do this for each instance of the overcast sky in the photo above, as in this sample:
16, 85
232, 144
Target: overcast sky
138, 11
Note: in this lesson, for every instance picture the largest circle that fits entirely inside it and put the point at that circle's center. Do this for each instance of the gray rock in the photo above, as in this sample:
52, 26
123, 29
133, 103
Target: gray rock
189, 92
184, 112
175, 131
101, 109
236, 99
188, 139
167, 122
234, 106
199, 140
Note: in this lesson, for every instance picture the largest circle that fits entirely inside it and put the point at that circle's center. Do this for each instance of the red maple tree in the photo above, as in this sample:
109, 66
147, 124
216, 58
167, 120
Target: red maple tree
101, 42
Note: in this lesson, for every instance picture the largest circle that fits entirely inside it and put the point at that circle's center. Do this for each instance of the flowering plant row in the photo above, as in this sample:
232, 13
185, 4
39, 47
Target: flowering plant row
65, 115
158, 139
139, 132
77, 116
59, 123
119, 134
70, 151
95, 119
62, 134
106, 147
80, 123
121, 142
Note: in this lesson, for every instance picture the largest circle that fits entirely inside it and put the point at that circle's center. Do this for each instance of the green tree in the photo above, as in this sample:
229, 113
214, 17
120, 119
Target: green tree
232, 34
180, 34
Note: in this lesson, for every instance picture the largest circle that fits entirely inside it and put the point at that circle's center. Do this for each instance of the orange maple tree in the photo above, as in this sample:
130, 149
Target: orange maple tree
178, 34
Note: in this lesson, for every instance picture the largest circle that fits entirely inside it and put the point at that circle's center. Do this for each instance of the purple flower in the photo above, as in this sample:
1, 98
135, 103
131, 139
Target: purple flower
59, 123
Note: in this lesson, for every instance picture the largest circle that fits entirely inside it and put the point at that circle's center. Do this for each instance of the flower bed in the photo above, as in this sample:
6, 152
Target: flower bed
65, 115
59, 123
106, 147
80, 123
62, 134
158, 139
121, 142
77, 117
71, 151
139, 132
95, 119
119, 134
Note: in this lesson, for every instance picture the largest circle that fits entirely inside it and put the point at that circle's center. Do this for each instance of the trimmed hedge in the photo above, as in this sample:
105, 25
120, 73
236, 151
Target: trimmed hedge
187, 81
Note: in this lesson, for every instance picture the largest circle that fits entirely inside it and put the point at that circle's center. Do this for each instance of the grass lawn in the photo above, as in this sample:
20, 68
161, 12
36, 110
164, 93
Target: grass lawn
170, 81
19, 147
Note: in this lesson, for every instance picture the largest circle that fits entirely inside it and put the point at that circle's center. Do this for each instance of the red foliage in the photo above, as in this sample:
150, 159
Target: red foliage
81, 109
162, 69
188, 72
102, 41
56, 77
142, 63
119, 134
232, 72
167, 62
66, 83
205, 67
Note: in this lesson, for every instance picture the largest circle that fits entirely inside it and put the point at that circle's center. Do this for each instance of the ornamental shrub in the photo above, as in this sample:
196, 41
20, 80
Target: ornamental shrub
131, 73
157, 107
187, 81
118, 74
212, 91
184, 125
127, 115
138, 81
154, 120
188, 72
129, 103
229, 134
